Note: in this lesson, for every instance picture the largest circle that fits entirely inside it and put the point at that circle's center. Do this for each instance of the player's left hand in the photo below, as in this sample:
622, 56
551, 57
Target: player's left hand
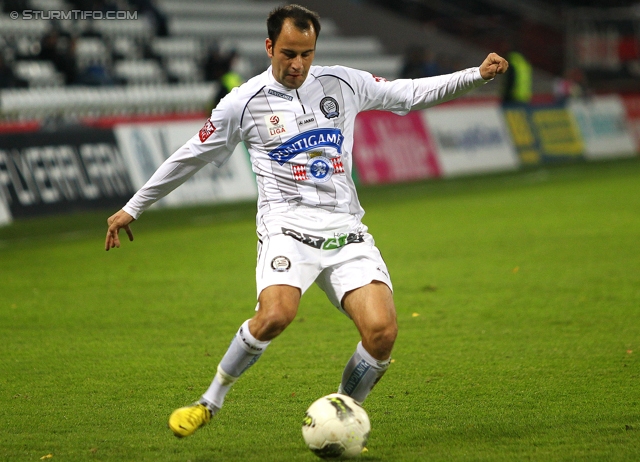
493, 65
117, 221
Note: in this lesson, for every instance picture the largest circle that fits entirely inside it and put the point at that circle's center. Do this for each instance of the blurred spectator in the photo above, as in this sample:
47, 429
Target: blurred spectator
518, 79
49, 46
61, 53
96, 75
220, 68
215, 65
419, 61
7, 78
158, 18
571, 85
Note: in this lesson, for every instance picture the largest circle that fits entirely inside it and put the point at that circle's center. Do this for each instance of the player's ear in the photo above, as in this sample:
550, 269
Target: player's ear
269, 46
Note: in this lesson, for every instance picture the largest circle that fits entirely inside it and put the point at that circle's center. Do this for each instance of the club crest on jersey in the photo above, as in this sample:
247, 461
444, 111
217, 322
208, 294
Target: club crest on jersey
318, 169
206, 131
329, 107
275, 124
307, 141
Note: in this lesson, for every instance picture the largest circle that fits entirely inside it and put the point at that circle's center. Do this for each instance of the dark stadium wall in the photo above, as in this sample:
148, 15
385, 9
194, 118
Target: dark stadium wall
395, 32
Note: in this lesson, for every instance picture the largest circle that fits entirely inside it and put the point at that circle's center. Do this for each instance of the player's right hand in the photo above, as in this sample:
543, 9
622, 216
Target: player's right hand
119, 220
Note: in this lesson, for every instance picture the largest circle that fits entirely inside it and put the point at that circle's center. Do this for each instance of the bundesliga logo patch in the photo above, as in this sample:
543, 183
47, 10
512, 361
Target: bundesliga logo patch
275, 124
206, 131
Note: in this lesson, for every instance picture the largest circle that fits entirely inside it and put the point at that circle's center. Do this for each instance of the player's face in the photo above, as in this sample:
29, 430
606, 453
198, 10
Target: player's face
292, 54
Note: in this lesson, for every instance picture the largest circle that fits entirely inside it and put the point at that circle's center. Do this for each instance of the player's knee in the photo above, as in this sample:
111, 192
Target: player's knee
381, 339
387, 337
270, 323
279, 320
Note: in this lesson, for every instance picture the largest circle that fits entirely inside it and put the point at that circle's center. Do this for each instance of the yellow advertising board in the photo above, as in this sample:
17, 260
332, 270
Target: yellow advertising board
544, 133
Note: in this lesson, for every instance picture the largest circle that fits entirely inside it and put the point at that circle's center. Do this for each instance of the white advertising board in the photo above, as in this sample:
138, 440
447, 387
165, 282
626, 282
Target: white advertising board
603, 124
471, 139
145, 146
5, 213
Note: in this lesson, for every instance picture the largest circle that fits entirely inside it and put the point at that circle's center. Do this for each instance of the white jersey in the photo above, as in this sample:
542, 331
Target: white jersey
300, 141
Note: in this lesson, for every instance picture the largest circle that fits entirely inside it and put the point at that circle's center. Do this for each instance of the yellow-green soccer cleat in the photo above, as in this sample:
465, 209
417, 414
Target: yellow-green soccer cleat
186, 420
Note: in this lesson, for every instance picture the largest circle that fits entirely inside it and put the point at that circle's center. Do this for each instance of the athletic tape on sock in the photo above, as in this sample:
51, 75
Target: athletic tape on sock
361, 374
248, 342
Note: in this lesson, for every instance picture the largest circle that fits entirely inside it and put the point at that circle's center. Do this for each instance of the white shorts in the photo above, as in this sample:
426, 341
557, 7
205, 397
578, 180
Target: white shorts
307, 245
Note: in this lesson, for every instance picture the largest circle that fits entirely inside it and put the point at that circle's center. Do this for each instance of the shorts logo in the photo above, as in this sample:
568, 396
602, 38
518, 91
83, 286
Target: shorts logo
318, 242
275, 125
280, 95
329, 107
280, 264
206, 131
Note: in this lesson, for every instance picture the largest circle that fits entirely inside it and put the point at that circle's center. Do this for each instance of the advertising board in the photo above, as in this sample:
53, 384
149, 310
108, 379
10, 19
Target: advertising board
55, 172
544, 134
392, 149
471, 139
604, 127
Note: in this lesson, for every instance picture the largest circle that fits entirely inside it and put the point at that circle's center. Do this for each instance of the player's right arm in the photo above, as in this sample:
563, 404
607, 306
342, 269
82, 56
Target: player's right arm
116, 222
174, 171
214, 143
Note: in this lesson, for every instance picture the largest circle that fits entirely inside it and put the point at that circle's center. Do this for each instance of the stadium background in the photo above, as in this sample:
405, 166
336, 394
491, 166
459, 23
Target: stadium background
511, 231
92, 106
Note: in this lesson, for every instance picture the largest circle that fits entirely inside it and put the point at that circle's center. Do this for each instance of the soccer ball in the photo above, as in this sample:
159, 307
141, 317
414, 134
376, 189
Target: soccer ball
336, 427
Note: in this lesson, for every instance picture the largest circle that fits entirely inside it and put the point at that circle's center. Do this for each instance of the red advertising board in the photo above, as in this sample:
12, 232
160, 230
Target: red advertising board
390, 149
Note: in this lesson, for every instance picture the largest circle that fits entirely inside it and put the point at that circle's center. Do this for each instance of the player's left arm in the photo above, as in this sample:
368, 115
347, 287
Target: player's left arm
493, 65
430, 91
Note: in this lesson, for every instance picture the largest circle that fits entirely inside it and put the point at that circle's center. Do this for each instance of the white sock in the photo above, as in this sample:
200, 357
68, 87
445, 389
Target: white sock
361, 373
242, 353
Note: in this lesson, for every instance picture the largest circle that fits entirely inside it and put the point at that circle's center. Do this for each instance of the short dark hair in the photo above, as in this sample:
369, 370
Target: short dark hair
302, 17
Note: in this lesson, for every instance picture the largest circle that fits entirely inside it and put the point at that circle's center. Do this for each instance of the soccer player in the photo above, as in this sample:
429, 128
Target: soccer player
297, 121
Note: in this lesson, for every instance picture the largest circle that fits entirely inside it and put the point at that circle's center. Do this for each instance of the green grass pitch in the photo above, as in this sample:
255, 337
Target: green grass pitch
518, 300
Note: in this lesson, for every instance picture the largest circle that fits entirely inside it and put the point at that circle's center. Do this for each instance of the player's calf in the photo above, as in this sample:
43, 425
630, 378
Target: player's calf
361, 374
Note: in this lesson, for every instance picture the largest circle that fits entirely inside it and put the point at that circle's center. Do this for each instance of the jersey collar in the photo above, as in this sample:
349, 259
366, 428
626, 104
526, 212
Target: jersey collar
278, 86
